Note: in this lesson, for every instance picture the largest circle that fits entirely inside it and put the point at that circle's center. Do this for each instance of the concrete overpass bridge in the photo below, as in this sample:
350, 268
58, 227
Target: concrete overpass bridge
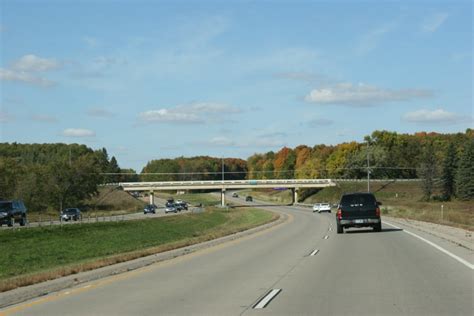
292, 184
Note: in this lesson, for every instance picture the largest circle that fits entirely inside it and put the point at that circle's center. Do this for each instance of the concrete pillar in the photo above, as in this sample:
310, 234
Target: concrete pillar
223, 197
295, 195
152, 198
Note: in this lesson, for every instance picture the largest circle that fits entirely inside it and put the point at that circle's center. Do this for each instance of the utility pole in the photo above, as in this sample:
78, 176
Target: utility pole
368, 170
222, 169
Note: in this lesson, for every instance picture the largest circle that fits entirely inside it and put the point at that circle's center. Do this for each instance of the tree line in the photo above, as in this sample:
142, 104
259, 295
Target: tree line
54, 176
444, 162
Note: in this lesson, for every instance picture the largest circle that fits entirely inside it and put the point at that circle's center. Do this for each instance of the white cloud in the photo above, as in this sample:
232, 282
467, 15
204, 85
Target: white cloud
192, 113
44, 118
433, 22
362, 95
25, 77
100, 112
436, 116
78, 132
221, 141
34, 63
169, 115
370, 40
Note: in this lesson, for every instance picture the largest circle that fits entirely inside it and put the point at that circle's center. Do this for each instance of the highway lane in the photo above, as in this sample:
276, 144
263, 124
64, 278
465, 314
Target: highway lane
51, 221
359, 273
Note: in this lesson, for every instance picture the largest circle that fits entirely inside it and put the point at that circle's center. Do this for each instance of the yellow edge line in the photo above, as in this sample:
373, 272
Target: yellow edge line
126, 275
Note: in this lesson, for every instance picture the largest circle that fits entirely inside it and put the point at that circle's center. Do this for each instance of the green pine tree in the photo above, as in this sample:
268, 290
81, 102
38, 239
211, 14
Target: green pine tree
465, 173
449, 172
428, 171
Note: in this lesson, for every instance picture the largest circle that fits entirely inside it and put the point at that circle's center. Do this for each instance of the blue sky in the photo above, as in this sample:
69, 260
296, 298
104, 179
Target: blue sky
160, 79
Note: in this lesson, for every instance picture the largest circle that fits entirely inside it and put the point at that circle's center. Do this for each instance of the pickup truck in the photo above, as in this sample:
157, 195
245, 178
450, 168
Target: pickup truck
11, 212
358, 210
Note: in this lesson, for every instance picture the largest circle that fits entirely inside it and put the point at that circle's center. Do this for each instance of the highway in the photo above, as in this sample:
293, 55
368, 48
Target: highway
51, 221
300, 267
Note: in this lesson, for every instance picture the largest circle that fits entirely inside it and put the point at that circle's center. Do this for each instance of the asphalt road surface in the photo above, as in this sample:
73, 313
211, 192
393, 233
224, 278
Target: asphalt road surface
300, 267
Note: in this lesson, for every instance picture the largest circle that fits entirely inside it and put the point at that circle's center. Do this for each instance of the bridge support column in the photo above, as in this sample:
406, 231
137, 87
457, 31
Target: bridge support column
152, 197
223, 197
295, 195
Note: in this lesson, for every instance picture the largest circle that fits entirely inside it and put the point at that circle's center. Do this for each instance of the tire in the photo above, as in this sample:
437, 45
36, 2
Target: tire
340, 229
23, 221
11, 222
378, 227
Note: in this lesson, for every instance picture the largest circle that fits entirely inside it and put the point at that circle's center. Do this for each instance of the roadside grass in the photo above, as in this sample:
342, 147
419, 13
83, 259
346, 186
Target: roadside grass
38, 254
456, 213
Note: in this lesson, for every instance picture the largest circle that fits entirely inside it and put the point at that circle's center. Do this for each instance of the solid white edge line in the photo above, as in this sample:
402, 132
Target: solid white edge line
263, 303
466, 263
314, 252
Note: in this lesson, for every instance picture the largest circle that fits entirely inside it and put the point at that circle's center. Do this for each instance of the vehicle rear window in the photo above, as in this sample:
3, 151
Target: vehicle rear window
358, 200
5, 206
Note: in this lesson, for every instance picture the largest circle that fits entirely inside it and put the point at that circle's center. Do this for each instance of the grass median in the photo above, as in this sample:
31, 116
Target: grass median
34, 255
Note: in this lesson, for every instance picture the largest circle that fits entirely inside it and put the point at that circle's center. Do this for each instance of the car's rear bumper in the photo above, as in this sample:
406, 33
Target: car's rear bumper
360, 222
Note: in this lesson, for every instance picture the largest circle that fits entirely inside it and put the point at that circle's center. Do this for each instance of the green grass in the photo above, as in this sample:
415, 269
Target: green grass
26, 252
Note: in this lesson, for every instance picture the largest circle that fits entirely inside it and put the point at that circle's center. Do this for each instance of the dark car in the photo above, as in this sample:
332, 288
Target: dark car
358, 210
11, 212
235, 195
150, 208
70, 214
181, 205
249, 198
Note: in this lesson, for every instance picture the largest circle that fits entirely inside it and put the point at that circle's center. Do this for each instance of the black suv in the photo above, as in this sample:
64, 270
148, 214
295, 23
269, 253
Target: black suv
150, 208
71, 213
358, 210
11, 212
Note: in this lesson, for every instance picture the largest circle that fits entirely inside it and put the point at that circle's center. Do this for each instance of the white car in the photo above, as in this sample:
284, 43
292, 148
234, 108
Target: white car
322, 207
316, 207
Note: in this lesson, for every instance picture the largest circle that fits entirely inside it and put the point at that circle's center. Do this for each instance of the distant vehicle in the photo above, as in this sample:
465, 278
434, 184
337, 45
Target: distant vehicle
150, 208
249, 198
136, 194
235, 195
11, 212
72, 213
170, 208
358, 210
182, 205
322, 207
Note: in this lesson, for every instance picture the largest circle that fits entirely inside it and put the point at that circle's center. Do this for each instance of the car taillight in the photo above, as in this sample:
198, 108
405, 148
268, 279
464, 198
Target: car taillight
339, 214
377, 212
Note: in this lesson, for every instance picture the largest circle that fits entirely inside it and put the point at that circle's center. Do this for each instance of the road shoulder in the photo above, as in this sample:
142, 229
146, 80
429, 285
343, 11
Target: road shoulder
457, 236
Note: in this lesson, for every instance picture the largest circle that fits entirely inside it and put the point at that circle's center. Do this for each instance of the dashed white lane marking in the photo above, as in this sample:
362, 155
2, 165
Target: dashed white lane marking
330, 229
314, 252
326, 237
464, 262
267, 299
